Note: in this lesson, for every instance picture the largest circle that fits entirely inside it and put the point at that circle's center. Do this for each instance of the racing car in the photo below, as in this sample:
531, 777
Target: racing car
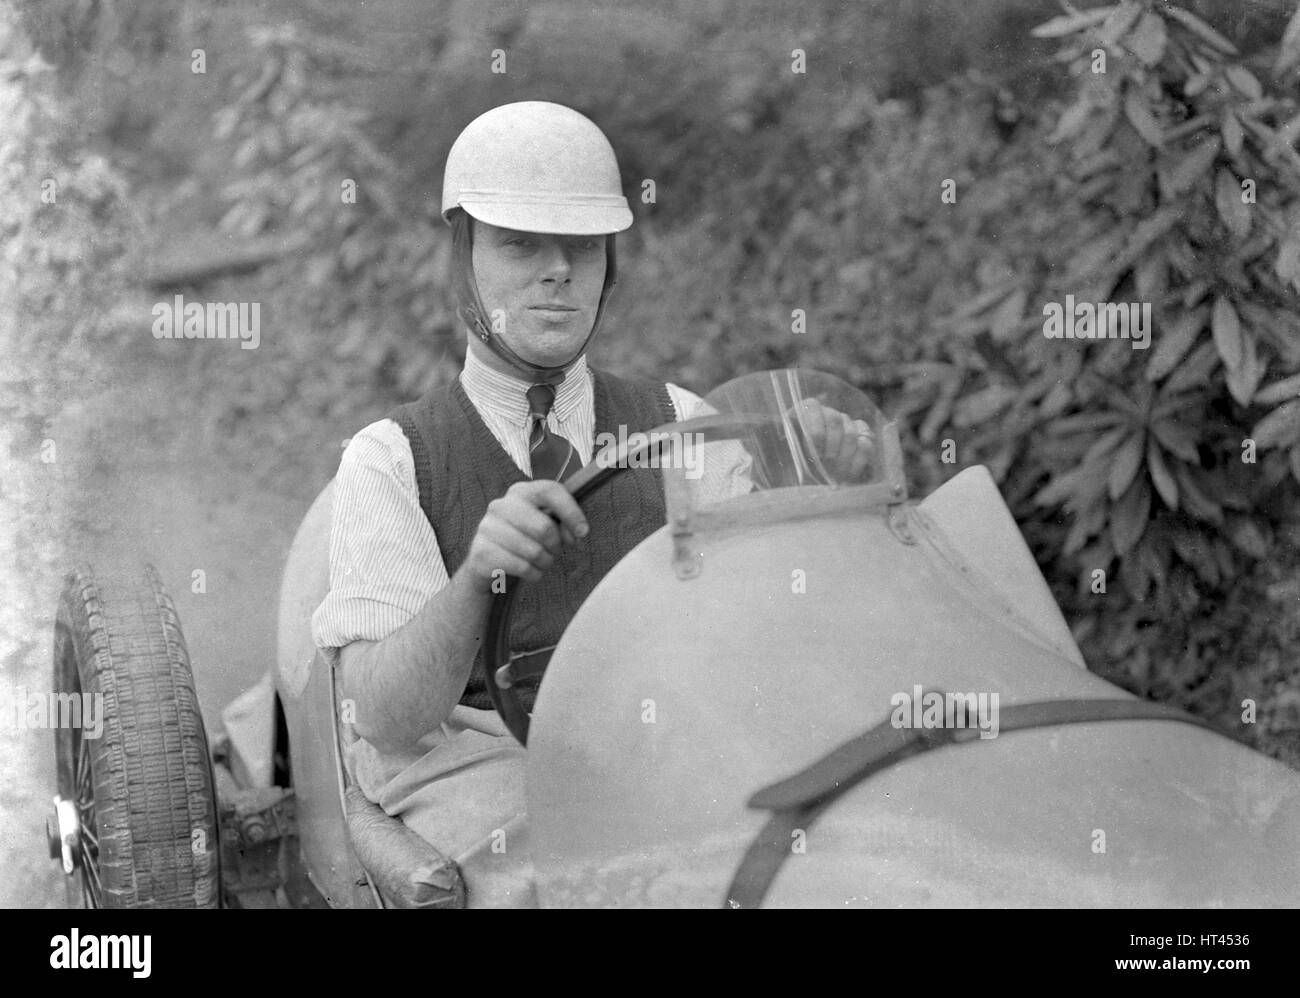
811, 691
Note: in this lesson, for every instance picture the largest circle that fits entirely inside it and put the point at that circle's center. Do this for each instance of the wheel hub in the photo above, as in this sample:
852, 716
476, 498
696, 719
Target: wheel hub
64, 834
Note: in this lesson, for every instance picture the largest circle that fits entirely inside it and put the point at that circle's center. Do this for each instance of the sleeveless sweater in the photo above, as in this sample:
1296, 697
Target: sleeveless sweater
460, 467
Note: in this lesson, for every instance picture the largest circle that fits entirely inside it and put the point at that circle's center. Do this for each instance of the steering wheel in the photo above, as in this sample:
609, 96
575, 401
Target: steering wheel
502, 671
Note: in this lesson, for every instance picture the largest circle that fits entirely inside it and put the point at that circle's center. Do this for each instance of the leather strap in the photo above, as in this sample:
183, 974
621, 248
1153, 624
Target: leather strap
797, 801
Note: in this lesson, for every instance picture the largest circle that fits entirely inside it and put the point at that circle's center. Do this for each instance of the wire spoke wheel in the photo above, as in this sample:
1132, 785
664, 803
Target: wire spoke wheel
140, 782
87, 872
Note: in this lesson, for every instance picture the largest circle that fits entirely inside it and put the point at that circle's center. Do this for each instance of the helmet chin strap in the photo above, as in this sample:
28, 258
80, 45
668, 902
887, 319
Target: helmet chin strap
475, 315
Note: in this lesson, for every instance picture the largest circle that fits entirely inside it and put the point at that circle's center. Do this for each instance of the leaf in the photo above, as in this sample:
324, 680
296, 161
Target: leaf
1202, 124
1084, 423
1232, 133
1245, 379
1246, 535
1151, 277
1295, 463
1146, 233
1244, 80
1156, 557
1056, 400
1072, 120
1091, 165
1279, 391
983, 405
1172, 346
980, 302
1093, 256
1227, 563
1125, 465
1196, 501
1195, 370
1227, 198
1147, 41
1121, 19
1287, 265
1195, 291
1199, 27
1067, 24
1141, 118
1192, 547
1103, 446
1176, 439
1270, 142
1288, 53
1182, 584
1279, 428
1197, 83
1279, 327
1190, 168
1129, 516
1091, 483
1175, 406
1077, 537
1060, 488
1160, 476
942, 408
1137, 581
1006, 317
1136, 402
1226, 329
1289, 130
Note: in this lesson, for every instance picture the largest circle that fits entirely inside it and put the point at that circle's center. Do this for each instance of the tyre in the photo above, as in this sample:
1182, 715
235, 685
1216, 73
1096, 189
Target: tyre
141, 828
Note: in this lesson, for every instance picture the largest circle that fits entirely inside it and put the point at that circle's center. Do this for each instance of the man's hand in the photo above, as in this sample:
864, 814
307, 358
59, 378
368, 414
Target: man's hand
522, 532
408, 683
845, 446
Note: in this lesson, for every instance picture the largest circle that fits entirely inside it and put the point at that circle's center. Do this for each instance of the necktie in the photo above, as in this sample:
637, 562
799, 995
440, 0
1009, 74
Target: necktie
552, 456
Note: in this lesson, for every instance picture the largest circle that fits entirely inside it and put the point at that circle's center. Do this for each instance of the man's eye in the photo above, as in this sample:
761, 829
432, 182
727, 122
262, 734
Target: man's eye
586, 245
519, 241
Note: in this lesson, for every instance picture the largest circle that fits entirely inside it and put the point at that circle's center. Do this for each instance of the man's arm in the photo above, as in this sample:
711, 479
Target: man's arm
406, 684
725, 467
845, 447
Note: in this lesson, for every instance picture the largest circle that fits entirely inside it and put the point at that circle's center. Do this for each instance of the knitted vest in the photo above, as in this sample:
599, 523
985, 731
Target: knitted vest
460, 467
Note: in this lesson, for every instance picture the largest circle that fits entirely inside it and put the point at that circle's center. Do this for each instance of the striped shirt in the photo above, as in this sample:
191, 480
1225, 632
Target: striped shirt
385, 563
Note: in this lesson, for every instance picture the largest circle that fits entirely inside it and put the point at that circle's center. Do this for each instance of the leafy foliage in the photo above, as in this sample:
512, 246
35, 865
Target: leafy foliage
64, 232
822, 193
1179, 187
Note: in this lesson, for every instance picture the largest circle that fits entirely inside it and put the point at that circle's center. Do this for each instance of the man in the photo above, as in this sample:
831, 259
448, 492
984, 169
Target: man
435, 504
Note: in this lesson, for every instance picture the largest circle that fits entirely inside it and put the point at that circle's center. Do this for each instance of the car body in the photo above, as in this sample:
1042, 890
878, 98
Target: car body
734, 658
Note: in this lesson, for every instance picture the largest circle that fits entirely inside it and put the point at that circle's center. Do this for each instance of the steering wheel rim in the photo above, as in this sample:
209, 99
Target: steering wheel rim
585, 481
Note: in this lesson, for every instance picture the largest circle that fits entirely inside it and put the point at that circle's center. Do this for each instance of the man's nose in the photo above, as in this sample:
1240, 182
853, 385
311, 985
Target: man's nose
555, 262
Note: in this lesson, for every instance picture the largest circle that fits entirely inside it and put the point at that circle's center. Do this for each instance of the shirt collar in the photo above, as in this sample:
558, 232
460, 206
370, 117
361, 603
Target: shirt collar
505, 395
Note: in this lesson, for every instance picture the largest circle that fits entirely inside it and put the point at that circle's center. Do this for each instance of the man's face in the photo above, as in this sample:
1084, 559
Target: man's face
540, 291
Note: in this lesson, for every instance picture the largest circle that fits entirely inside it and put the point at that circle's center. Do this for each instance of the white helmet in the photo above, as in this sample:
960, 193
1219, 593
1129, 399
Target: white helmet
536, 167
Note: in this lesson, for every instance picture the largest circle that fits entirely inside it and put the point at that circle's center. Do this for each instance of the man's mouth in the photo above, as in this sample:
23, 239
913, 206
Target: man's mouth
554, 311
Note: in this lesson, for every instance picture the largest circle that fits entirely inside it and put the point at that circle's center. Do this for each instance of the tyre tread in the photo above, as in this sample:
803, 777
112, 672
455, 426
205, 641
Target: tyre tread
152, 770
